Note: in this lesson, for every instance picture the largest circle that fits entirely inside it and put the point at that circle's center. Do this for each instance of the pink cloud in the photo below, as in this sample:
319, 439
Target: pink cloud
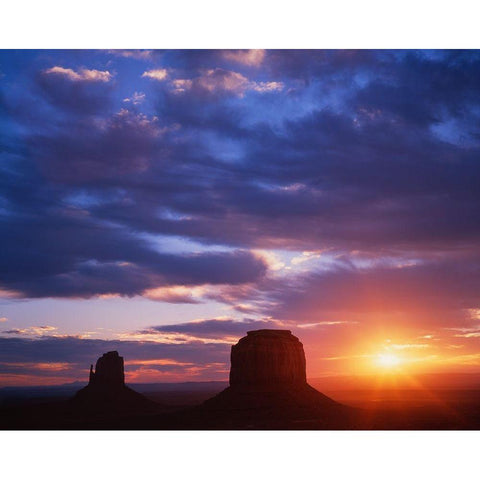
35, 330
82, 75
175, 294
136, 98
251, 58
181, 85
220, 80
135, 54
156, 74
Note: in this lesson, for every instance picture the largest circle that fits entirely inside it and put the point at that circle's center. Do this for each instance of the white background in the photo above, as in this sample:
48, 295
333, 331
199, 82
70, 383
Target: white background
238, 455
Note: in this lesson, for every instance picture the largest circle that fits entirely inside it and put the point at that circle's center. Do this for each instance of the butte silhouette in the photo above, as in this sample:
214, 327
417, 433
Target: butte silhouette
106, 389
269, 389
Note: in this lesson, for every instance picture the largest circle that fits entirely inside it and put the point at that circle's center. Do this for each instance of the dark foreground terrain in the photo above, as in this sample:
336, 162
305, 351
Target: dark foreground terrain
187, 407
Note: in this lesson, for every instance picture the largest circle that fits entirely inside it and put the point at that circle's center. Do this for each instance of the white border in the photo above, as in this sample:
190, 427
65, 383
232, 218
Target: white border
240, 455
245, 24
241, 24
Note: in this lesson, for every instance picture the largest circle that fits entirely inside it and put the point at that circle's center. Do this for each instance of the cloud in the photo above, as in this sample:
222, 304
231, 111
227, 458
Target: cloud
156, 74
217, 328
215, 80
176, 294
86, 351
427, 294
244, 308
92, 259
334, 66
245, 57
20, 367
263, 87
181, 85
35, 331
121, 144
348, 156
136, 99
3, 319
82, 75
82, 92
220, 81
135, 54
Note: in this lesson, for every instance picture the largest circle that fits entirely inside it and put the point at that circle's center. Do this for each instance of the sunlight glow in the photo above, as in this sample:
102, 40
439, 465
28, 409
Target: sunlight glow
388, 360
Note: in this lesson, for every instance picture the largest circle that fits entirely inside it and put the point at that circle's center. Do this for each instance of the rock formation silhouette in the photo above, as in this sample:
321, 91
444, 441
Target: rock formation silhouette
268, 358
268, 386
109, 371
106, 389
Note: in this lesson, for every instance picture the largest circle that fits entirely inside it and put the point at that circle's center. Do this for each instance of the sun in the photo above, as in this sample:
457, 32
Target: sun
388, 360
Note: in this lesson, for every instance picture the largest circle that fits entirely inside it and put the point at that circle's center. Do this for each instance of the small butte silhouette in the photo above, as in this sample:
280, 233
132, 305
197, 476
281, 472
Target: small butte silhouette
106, 389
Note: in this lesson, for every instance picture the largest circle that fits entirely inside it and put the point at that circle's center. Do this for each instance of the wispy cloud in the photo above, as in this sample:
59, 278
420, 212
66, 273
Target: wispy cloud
156, 74
32, 331
136, 99
245, 57
263, 87
135, 54
176, 294
81, 75
219, 329
220, 80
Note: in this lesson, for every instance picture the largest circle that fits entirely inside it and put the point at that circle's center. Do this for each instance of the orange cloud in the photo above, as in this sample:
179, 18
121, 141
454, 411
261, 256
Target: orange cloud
41, 366
157, 361
16, 380
176, 294
35, 330
9, 294
190, 372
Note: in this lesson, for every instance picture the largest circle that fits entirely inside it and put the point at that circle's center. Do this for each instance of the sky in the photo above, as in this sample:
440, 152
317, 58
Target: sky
163, 203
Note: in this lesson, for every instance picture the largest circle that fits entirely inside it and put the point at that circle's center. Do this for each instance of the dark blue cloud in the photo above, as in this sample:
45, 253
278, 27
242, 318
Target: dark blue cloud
86, 351
366, 151
214, 328
75, 97
65, 254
